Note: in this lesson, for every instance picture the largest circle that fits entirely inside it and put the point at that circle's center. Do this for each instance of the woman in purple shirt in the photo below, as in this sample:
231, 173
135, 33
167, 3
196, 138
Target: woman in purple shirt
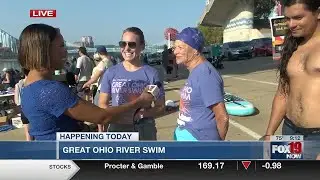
124, 82
50, 106
202, 113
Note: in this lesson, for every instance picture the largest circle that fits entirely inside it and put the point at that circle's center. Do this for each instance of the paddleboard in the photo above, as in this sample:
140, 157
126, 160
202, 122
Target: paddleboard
238, 106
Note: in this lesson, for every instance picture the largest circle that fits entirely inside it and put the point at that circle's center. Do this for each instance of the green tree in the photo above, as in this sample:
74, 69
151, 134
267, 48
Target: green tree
212, 35
262, 9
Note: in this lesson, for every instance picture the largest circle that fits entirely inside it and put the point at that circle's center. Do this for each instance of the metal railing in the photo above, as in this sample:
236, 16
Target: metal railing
8, 45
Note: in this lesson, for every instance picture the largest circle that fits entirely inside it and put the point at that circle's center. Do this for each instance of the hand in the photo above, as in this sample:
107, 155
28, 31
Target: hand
265, 138
86, 86
140, 114
146, 98
100, 127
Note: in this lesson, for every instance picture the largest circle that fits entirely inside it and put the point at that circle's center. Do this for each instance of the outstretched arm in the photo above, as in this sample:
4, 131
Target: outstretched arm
93, 79
64, 101
86, 111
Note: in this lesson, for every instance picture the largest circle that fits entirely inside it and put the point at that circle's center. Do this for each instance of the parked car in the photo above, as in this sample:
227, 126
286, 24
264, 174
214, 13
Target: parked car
237, 50
262, 47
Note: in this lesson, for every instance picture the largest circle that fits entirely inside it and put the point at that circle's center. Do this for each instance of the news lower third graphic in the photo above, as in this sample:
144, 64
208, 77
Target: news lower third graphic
77, 155
98, 136
126, 145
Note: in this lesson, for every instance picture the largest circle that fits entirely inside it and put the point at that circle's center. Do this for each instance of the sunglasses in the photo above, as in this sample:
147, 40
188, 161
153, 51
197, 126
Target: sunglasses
123, 44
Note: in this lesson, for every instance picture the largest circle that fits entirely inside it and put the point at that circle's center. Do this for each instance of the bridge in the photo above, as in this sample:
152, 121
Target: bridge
8, 51
8, 44
236, 17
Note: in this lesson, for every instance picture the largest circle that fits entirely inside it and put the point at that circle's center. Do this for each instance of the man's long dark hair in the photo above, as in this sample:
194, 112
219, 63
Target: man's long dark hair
291, 44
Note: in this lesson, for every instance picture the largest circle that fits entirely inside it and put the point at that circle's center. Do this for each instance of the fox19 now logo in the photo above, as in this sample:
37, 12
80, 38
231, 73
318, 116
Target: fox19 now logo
287, 150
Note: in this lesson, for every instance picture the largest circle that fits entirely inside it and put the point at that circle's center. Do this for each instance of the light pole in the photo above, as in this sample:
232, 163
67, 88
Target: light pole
169, 40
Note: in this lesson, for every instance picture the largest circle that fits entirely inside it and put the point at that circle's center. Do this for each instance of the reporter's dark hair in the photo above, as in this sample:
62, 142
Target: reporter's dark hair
25, 71
34, 46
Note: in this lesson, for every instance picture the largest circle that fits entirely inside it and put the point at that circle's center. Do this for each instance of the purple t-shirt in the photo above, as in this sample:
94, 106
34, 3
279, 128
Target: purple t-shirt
125, 86
203, 88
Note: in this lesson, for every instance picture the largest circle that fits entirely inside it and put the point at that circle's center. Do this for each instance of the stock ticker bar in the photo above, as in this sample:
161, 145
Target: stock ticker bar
196, 167
101, 169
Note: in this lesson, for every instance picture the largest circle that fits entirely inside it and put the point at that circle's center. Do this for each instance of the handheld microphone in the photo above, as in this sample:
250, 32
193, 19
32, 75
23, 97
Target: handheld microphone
154, 90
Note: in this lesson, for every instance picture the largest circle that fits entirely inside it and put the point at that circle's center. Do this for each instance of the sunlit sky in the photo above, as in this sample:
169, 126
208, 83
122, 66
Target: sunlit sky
104, 20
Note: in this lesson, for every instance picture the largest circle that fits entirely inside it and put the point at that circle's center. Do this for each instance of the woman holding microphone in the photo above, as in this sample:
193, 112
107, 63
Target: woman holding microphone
51, 106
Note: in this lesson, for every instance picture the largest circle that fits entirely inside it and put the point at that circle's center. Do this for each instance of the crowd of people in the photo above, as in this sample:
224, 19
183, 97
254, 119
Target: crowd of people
120, 96
10, 77
118, 89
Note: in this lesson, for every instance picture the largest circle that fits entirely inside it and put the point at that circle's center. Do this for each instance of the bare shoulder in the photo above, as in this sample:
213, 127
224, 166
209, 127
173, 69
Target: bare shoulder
314, 53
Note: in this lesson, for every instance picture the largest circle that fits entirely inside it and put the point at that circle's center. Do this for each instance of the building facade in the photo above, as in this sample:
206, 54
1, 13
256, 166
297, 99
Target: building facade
87, 41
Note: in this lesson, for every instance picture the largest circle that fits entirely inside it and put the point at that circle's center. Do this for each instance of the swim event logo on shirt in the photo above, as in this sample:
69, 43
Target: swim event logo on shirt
184, 107
127, 90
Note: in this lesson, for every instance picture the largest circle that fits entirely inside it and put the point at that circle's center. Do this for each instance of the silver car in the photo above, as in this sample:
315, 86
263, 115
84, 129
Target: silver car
237, 50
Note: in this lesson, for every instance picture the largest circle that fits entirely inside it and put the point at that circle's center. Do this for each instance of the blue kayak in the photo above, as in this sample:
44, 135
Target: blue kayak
238, 106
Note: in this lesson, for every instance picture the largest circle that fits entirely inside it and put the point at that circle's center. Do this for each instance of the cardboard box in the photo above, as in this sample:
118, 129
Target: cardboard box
3, 120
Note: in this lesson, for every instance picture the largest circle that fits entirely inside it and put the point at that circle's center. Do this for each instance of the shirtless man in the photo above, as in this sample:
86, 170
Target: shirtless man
297, 100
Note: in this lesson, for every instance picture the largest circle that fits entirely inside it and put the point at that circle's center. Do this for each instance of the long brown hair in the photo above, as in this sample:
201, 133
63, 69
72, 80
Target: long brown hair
291, 44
